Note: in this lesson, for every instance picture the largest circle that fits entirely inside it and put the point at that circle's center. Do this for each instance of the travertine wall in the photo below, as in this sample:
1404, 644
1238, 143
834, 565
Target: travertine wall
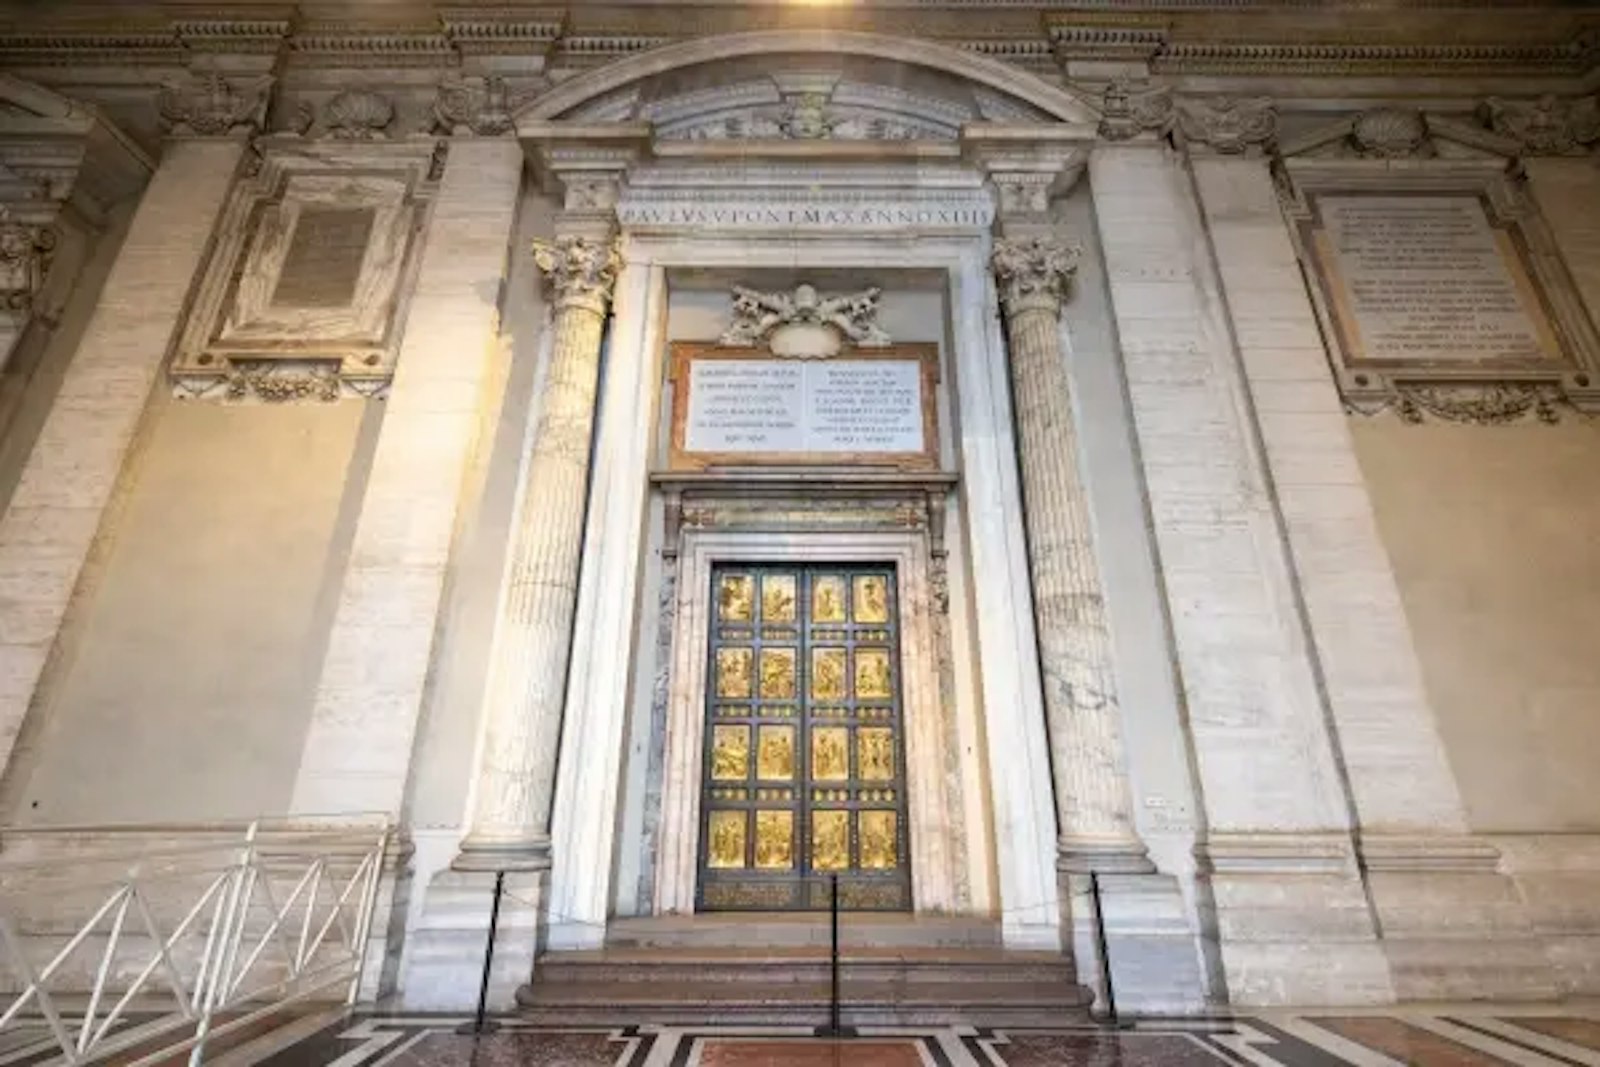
183, 682
1495, 537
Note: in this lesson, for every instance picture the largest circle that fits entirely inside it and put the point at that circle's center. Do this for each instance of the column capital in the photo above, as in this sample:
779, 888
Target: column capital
581, 270
1034, 272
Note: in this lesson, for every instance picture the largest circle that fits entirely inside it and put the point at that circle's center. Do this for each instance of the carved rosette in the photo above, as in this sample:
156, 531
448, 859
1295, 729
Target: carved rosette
1034, 273
212, 106
1229, 125
581, 271
25, 251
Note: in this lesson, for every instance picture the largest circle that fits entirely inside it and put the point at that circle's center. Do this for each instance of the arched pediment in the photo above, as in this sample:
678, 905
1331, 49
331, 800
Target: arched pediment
786, 83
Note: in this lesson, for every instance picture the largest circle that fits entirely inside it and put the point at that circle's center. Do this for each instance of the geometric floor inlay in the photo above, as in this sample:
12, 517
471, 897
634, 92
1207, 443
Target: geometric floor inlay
1483, 1037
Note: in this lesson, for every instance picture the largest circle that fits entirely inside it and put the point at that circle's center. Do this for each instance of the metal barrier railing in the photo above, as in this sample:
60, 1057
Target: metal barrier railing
146, 940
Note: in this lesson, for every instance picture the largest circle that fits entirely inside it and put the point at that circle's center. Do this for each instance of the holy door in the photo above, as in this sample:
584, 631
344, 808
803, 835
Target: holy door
803, 774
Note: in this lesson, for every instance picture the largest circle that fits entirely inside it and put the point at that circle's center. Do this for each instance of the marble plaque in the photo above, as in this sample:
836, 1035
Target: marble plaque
1428, 280
753, 409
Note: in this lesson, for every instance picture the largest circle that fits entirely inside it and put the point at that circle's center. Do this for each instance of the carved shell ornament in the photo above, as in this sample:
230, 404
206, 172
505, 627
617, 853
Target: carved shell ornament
358, 114
1389, 133
803, 324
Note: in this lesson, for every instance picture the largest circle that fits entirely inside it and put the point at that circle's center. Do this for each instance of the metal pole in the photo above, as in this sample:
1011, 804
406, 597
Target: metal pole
483, 1025
833, 998
1103, 948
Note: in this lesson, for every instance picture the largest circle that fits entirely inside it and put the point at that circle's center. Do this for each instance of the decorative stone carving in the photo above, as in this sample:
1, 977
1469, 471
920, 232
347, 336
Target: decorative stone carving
277, 385
482, 106
358, 115
1230, 125
25, 252
803, 324
210, 105
1546, 126
1478, 404
1129, 108
869, 115
1034, 272
581, 271
1389, 133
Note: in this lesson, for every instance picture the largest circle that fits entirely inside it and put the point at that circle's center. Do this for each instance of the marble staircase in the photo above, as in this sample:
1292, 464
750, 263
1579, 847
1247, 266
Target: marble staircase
774, 969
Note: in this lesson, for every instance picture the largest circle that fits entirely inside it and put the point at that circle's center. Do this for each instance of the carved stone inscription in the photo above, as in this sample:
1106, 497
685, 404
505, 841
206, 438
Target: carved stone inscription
754, 410
1427, 279
324, 260
771, 405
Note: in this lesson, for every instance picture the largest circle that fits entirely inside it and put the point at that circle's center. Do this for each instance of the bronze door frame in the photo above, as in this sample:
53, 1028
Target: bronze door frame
816, 712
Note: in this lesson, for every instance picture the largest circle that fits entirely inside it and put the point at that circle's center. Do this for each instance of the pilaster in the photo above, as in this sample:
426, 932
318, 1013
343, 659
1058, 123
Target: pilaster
1437, 892
1278, 870
68, 478
358, 748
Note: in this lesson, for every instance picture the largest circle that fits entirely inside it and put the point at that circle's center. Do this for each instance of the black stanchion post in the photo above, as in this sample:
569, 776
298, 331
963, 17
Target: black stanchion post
482, 1024
1103, 948
833, 999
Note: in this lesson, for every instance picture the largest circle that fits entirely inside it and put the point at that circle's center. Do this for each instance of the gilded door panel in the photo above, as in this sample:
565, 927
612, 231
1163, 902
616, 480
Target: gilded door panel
803, 758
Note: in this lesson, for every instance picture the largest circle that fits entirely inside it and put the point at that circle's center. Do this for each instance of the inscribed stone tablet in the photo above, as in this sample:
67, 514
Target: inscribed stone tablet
1427, 279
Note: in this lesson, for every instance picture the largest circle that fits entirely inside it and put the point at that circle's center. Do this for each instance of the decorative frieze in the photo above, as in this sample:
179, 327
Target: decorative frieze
1129, 108
25, 252
1229, 125
1548, 126
210, 105
485, 106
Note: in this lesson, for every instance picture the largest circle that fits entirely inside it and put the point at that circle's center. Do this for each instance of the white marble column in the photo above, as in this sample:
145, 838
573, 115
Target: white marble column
510, 827
55, 511
1094, 805
357, 754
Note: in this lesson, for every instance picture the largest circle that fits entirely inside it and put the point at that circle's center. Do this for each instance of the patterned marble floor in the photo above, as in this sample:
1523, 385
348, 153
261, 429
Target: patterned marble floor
1478, 1037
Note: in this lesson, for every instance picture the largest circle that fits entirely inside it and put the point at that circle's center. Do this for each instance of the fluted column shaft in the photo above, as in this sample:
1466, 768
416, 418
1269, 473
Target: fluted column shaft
510, 827
1093, 799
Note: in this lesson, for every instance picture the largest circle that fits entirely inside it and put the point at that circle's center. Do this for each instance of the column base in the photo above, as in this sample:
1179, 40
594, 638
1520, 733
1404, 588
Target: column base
1118, 855
480, 853
449, 933
1153, 952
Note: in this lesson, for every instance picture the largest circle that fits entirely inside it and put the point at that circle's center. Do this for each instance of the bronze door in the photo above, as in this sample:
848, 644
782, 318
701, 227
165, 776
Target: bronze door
804, 762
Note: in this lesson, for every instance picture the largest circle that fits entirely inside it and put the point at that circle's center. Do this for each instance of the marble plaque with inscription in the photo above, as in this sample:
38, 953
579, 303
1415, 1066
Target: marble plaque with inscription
1427, 280
749, 408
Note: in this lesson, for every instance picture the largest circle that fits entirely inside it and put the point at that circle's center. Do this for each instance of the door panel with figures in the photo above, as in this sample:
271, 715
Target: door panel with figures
804, 764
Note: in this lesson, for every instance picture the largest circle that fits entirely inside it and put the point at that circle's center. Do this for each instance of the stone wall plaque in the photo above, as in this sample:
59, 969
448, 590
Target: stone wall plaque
745, 407
1427, 279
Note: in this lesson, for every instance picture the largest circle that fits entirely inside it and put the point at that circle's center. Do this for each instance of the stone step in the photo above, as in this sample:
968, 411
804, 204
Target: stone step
797, 929
760, 983
766, 967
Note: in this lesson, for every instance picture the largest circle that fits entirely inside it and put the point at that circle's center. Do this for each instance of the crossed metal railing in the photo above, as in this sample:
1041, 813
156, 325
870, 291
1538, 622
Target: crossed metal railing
148, 941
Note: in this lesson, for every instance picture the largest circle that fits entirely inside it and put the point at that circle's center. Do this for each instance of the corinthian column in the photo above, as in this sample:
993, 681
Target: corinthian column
510, 827
1093, 801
